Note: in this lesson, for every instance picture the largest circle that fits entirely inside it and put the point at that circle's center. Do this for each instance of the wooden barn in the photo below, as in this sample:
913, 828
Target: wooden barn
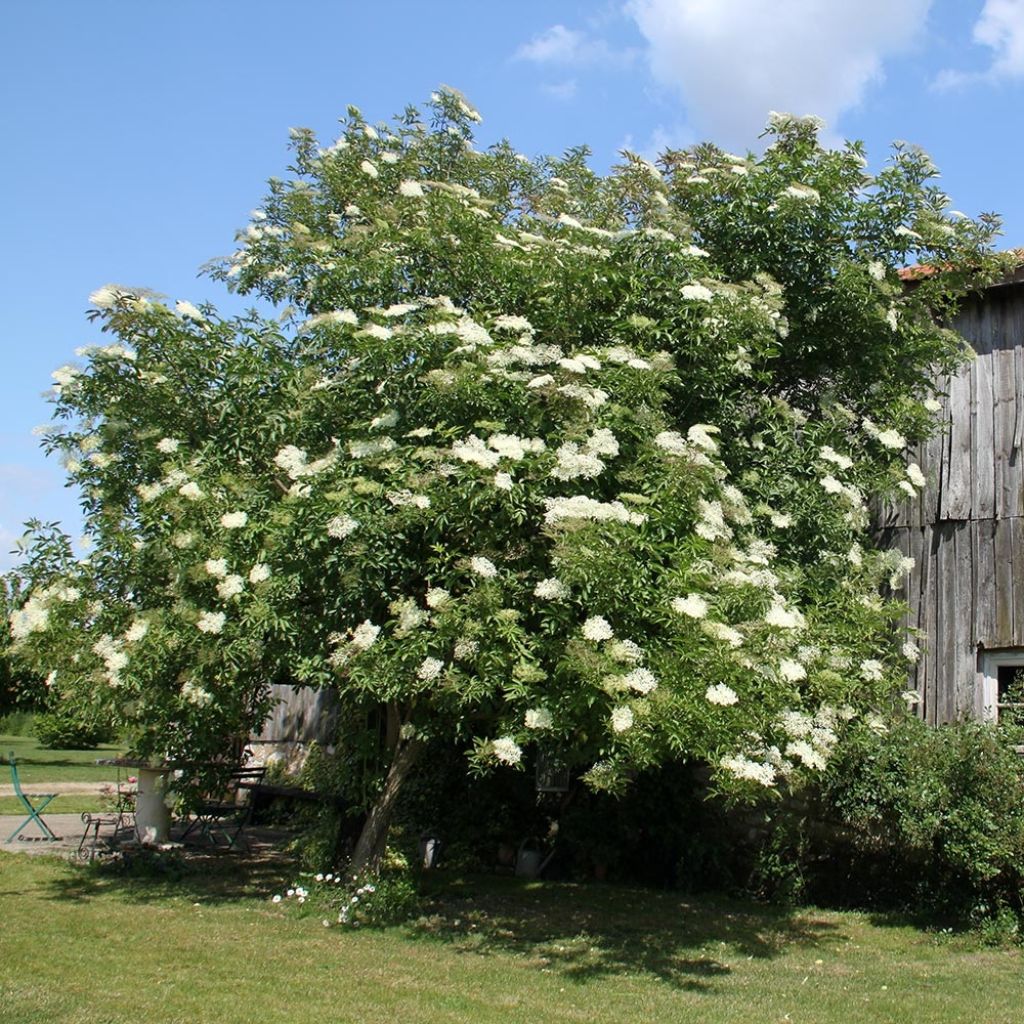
966, 530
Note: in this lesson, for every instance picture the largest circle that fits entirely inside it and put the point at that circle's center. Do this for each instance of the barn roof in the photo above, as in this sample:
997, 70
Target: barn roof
1015, 257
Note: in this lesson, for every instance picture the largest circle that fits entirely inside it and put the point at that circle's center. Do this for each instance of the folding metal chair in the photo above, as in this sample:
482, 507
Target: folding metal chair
229, 812
33, 809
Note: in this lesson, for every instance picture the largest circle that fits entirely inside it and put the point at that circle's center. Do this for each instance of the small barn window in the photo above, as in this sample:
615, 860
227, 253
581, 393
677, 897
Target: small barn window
1002, 686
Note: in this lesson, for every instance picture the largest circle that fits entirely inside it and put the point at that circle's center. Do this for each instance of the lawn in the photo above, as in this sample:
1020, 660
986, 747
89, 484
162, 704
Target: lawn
37, 767
208, 946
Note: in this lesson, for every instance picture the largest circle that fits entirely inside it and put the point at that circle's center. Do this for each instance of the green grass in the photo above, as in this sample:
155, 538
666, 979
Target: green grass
79, 947
37, 765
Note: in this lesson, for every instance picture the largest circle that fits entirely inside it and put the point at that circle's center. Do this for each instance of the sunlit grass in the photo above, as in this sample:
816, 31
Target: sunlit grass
207, 945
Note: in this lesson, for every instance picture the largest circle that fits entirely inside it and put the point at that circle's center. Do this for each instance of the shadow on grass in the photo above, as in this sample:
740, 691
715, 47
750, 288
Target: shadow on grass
587, 932
150, 877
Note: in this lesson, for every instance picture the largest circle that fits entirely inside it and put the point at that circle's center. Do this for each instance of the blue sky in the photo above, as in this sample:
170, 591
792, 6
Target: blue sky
139, 135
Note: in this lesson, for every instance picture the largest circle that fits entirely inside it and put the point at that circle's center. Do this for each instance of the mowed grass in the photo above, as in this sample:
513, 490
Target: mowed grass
37, 767
208, 946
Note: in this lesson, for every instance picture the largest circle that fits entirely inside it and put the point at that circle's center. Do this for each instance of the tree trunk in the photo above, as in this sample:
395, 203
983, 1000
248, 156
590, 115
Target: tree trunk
374, 837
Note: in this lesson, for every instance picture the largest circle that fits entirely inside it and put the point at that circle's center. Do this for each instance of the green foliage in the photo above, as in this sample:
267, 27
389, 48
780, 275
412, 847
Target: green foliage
531, 455
927, 818
70, 728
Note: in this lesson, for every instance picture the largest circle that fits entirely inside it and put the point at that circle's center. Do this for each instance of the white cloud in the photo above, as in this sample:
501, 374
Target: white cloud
572, 48
563, 91
1000, 27
732, 61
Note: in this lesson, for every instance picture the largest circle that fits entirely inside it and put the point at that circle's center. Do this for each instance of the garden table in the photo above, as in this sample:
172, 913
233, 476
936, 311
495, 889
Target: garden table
152, 815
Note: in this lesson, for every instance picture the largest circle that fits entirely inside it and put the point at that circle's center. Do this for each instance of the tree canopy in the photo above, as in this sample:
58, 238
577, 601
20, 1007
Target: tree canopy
532, 456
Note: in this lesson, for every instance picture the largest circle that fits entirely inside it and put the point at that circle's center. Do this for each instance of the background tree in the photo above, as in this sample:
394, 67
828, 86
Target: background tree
530, 455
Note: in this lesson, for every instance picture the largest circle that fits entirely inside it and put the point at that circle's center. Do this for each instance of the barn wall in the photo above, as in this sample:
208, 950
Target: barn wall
301, 715
966, 531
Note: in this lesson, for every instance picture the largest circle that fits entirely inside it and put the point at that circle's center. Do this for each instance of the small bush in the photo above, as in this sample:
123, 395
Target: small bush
930, 819
62, 730
17, 723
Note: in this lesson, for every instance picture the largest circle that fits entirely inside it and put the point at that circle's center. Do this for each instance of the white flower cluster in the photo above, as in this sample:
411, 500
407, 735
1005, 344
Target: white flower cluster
506, 750
196, 695
551, 589
582, 460
430, 669
890, 438
406, 499
641, 679
581, 507
341, 526
625, 652
622, 719
693, 605
748, 770
114, 658
538, 718
483, 567
211, 622
721, 694
497, 447
711, 525
596, 628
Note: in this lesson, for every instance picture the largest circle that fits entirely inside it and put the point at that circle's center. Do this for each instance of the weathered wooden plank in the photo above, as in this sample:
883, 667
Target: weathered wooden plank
1003, 595
945, 625
985, 569
983, 501
965, 594
957, 461
929, 621
1005, 421
1017, 580
301, 714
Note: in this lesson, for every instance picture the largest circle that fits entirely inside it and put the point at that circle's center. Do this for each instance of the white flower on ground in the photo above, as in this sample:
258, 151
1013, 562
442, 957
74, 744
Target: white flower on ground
721, 694
211, 622
538, 718
692, 605
622, 719
483, 567
217, 567
871, 669
551, 589
168, 445
234, 520
506, 750
341, 526
596, 628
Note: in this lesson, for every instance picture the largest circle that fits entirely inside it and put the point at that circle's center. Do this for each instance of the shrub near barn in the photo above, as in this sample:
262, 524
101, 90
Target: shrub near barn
531, 457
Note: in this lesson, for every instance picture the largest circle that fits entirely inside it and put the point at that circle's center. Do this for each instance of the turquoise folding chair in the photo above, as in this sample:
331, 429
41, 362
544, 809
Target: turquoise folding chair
33, 809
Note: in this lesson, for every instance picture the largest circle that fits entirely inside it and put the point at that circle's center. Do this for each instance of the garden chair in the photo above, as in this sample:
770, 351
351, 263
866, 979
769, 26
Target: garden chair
230, 811
120, 816
32, 808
